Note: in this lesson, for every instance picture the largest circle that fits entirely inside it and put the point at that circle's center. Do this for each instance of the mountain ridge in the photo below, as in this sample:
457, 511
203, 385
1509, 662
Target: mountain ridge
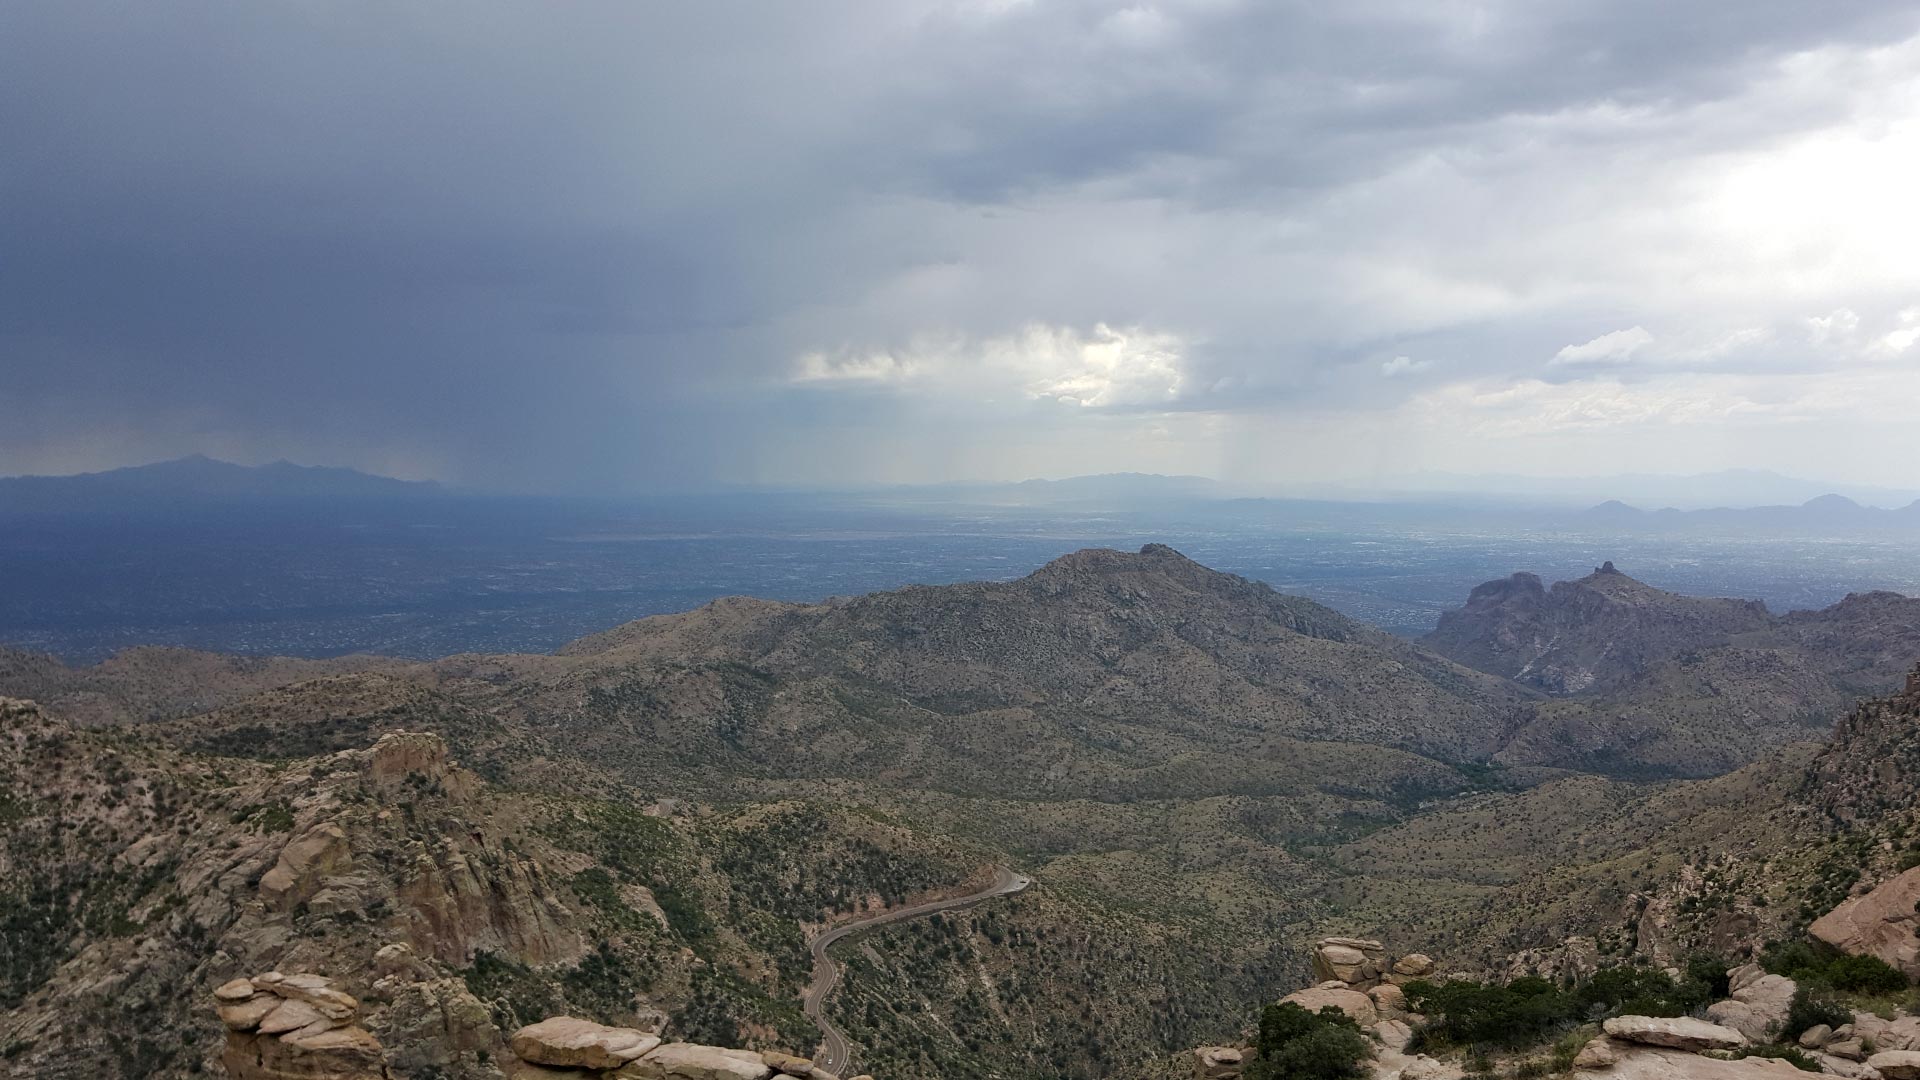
201, 478
1644, 682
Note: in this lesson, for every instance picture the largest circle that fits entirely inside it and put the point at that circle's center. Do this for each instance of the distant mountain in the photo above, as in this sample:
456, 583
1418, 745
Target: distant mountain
1586, 633
1828, 513
1729, 487
199, 479
1652, 683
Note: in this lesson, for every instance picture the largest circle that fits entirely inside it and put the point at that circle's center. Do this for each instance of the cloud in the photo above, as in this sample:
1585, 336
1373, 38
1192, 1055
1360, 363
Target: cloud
613, 246
1099, 368
1618, 347
1902, 338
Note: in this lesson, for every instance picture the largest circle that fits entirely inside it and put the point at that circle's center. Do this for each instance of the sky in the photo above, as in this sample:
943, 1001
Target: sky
602, 246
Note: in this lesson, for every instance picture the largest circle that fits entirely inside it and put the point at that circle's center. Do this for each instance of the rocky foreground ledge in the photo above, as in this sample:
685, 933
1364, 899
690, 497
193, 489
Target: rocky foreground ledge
1359, 978
304, 1027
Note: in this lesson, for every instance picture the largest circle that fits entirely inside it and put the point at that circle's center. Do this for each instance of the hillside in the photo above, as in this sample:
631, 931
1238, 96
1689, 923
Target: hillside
1202, 776
1646, 683
1150, 737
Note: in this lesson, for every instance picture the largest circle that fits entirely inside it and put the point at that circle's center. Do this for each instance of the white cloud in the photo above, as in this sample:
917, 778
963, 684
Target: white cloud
1104, 367
1838, 327
1615, 348
1901, 339
1404, 365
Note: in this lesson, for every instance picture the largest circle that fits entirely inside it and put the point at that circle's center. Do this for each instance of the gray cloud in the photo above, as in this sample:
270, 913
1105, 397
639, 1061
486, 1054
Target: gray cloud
595, 245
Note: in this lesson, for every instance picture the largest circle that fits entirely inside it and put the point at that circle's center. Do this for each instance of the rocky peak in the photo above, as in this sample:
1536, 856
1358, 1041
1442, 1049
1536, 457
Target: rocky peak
1584, 634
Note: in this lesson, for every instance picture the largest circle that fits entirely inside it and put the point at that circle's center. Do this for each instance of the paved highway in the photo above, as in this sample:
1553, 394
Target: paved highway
835, 1055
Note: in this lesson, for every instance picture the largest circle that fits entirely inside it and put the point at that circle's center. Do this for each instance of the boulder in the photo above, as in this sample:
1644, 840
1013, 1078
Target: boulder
1853, 1070
787, 1064
1900, 1033
319, 992
1744, 975
1880, 923
1218, 1063
573, 1043
246, 1015
1352, 1002
1665, 1063
1414, 966
1393, 1034
1597, 1054
1896, 1064
234, 990
289, 1015
1850, 1049
1758, 1007
1679, 1032
1390, 999
1426, 1068
1816, 1036
692, 1061
1348, 960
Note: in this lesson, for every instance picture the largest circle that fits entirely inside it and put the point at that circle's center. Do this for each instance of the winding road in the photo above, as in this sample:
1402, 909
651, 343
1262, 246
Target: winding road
835, 1054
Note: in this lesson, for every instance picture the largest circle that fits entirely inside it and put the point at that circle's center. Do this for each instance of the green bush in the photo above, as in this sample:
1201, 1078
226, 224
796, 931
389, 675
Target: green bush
1641, 991
1865, 975
1807, 961
1465, 1013
1790, 1054
1295, 1044
1526, 1010
1810, 1008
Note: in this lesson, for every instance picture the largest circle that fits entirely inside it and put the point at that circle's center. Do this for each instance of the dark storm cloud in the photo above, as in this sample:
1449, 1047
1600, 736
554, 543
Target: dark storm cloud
582, 245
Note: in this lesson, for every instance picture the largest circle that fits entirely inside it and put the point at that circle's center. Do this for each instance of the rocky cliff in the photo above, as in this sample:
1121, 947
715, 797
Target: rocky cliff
1647, 683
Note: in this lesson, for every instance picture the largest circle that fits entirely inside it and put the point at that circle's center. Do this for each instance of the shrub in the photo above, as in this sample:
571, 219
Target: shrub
1808, 961
1295, 1044
1640, 991
1811, 1009
1865, 975
1711, 972
1790, 1054
1464, 1013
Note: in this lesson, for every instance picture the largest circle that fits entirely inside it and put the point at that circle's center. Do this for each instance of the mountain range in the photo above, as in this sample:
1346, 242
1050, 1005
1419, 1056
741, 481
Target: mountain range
198, 479
1200, 773
1825, 514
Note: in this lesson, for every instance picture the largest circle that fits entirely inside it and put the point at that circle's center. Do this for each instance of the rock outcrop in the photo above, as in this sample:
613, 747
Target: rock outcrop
1218, 1062
1678, 1032
1358, 962
1884, 923
1896, 1064
572, 1043
1758, 1006
1352, 1002
569, 1048
295, 1027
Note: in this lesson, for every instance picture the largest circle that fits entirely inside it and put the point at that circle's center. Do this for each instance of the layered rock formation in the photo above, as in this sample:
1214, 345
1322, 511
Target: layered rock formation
295, 1027
1759, 1003
568, 1048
